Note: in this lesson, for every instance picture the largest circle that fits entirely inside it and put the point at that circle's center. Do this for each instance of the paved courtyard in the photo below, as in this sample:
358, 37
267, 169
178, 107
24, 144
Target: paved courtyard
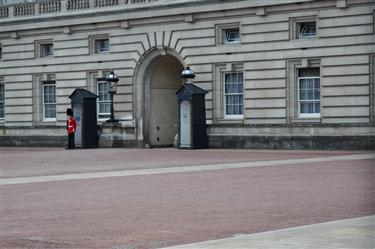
158, 198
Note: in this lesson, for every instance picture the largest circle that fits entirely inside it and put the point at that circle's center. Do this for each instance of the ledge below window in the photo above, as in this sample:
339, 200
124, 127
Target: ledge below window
230, 121
306, 120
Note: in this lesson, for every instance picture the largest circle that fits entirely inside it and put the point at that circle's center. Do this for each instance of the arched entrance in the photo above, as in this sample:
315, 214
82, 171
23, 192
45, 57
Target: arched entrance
157, 81
165, 81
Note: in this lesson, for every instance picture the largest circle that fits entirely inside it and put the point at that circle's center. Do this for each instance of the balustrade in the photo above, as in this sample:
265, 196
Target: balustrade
103, 3
77, 4
56, 6
49, 7
24, 10
138, 1
4, 12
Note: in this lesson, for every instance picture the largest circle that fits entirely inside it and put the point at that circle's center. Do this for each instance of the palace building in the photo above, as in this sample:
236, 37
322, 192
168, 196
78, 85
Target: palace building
285, 74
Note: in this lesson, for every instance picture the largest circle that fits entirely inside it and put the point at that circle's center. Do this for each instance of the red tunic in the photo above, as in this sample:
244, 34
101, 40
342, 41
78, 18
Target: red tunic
71, 125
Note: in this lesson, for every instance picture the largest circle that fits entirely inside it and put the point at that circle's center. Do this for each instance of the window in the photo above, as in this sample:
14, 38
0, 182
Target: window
303, 27
233, 95
303, 91
49, 100
228, 94
2, 100
102, 46
1, 51
44, 48
306, 29
44, 99
228, 34
99, 44
231, 35
104, 100
309, 91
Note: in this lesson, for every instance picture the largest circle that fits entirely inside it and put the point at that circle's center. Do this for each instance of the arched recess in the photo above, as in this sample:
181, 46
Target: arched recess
157, 78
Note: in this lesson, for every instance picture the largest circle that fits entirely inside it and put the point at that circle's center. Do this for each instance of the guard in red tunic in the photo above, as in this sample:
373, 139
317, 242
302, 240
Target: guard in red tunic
71, 126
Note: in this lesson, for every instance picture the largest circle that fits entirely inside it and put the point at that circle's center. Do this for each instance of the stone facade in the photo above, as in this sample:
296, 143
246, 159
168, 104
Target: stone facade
62, 45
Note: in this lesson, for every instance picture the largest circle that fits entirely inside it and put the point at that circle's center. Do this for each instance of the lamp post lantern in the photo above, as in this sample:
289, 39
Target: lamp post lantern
112, 79
187, 75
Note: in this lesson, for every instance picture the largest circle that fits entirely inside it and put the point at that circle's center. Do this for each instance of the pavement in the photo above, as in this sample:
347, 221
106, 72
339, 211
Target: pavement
358, 233
179, 169
167, 198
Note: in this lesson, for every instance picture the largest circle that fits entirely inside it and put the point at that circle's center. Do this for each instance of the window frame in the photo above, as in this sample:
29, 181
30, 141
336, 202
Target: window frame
2, 99
308, 115
221, 33
43, 48
293, 65
299, 34
40, 48
295, 27
218, 111
45, 84
225, 36
105, 115
232, 116
99, 49
95, 42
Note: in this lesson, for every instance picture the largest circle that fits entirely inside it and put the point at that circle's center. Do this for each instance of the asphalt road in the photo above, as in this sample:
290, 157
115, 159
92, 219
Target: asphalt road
247, 192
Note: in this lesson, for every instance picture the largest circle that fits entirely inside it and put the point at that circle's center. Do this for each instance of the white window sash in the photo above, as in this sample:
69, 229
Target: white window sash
100, 114
300, 101
2, 102
50, 103
232, 116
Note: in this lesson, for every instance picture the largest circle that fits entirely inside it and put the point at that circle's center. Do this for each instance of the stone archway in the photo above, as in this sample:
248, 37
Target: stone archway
157, 81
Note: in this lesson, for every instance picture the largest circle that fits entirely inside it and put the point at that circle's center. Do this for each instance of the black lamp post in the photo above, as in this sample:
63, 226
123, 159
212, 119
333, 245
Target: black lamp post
187, 75
112, 79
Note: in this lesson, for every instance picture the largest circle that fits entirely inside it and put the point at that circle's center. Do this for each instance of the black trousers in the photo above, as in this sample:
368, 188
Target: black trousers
71, 141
